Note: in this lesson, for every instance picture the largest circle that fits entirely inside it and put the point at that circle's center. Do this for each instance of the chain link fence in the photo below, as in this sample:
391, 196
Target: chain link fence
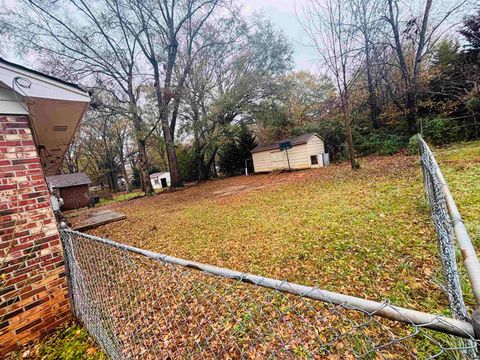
143, 305
446, 240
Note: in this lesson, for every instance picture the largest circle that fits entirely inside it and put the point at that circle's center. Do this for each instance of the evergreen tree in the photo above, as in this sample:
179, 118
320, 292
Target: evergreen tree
471, 31
246, 142
235, 152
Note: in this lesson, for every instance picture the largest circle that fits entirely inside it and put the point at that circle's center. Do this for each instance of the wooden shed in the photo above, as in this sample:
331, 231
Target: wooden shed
73, 189
307, 151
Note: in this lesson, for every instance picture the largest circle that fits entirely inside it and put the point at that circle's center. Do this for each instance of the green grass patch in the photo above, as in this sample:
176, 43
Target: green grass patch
70, 342
121, 197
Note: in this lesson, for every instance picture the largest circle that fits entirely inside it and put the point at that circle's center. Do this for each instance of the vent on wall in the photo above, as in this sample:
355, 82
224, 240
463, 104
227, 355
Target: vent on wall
59, 127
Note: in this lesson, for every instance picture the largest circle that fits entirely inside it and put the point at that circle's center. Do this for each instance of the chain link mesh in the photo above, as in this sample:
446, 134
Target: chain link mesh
138, 307
443, 225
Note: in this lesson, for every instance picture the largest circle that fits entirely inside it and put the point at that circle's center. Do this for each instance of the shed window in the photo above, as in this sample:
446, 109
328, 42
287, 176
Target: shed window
156, 181
314, 159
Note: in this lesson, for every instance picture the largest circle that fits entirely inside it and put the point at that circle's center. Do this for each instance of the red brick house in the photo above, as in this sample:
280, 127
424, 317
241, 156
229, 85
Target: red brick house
39, 115
73, 189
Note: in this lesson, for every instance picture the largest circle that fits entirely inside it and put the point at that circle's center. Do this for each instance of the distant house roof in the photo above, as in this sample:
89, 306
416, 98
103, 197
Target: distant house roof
68, 180
158, 174
297, 140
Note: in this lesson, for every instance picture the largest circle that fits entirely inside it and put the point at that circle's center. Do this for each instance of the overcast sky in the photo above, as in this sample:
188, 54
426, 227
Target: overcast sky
283, 15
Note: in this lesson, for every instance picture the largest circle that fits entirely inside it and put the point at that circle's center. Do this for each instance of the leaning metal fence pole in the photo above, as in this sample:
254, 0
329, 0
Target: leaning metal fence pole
469, 255
444, 324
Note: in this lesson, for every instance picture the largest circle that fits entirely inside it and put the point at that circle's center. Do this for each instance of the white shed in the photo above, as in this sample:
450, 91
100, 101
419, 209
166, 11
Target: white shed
160, 180
308, 151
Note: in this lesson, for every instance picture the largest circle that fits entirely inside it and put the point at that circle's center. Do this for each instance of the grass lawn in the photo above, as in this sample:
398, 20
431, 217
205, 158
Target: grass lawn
366, 233
461, 167
120, 197
460, 164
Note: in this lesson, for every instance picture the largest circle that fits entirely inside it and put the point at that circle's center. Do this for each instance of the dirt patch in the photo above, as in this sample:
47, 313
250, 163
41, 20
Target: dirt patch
237, 189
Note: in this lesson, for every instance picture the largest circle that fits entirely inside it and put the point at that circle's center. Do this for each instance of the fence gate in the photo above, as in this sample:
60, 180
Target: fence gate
139, 304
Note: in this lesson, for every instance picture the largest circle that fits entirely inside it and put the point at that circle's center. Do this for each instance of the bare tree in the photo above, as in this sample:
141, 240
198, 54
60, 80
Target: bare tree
162, 28
367, 16
329, 27
228, 80
91, 45
119, 48
121, 134
412, 38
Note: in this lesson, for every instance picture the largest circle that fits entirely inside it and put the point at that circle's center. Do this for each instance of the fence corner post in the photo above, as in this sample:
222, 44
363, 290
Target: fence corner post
67, 243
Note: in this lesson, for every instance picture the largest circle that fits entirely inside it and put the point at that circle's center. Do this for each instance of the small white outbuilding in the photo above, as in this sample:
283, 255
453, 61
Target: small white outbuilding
160, 180
307, 151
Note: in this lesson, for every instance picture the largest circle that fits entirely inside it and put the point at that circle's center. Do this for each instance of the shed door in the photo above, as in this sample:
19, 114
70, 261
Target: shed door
164, 182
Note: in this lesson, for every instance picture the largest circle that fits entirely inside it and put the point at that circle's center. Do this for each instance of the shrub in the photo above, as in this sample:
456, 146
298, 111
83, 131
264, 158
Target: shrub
441, 131
378, 143
413, 147
367, 144
391, 145
186, 162
236, 151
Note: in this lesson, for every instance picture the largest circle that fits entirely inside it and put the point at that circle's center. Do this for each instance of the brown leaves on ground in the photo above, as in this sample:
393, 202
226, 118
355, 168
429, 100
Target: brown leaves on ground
365, 232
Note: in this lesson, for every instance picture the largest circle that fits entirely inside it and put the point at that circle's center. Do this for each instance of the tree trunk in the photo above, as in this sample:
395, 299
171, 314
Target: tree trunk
411, 105
162, 103
372, 98
175, 176
201, 173
210, 166
351, 150
214, 170
348, 126
143, 169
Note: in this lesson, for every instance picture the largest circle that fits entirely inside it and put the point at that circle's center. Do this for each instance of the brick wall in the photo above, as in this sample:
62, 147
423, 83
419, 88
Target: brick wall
33, 291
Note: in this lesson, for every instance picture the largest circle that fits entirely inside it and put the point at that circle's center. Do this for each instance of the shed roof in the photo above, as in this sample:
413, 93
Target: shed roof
158, 174
296, 140
68, 180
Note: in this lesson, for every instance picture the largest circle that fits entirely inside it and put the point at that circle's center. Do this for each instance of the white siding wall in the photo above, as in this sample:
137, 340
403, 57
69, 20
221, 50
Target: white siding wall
262, 161
299, 156
276, 160
159, 185
316, 146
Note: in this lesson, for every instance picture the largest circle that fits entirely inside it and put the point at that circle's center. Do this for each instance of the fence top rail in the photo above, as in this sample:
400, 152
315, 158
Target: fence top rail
470, 259
383, 309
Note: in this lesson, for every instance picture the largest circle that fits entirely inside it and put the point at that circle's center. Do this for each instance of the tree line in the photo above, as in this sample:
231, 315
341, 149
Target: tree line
186, 85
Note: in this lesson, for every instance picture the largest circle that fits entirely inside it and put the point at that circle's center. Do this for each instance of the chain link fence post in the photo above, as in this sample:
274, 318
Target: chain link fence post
450, 227
66, 242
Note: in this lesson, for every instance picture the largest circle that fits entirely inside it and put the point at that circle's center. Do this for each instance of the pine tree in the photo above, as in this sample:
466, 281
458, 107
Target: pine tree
237, 151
